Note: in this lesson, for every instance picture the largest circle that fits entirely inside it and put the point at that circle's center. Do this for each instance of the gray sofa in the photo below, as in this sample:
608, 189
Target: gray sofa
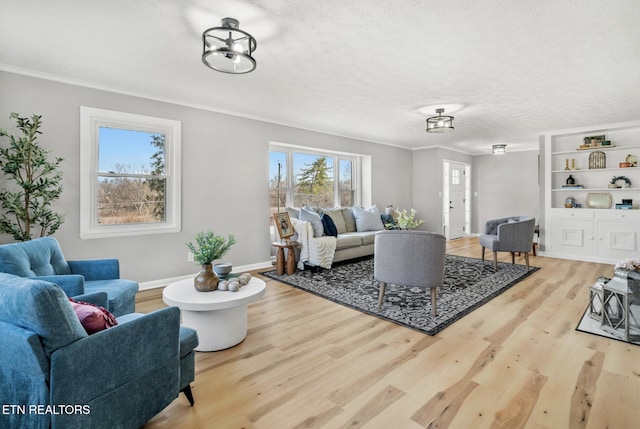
351, 241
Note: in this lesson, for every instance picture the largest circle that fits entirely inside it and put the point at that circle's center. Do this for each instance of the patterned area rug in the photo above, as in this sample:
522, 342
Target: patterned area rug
468, 284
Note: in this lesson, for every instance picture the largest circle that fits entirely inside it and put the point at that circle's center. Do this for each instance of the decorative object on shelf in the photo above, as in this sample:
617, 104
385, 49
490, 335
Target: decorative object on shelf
440, 123
228, 49
620, 182
573, 164
566, 165
283, 223
571, 180
208, 248
569, 202
594, 141
597, 159
499, 149
624, 165
632, 160
618, 317
599, 200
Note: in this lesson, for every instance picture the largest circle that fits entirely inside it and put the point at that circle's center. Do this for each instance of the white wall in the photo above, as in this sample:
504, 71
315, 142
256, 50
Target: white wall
224, 167
505, 185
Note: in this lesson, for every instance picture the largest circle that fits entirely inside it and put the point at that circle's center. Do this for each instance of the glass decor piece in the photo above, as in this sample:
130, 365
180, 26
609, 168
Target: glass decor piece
599, 200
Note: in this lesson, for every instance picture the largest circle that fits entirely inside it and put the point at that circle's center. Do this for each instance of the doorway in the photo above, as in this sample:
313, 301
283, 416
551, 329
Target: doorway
456, 198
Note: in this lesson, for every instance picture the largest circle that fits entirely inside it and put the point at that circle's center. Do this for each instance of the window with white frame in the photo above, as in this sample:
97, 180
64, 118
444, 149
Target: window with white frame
303, 176
130, 174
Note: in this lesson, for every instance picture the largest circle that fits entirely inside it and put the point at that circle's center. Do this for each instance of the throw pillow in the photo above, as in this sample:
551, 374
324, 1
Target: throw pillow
293, 212
349, 219
328, 225
367, 220
337, 218
314, 219
92, 317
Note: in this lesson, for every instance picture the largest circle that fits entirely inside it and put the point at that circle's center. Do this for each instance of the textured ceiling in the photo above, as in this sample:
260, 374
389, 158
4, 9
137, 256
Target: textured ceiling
357, 68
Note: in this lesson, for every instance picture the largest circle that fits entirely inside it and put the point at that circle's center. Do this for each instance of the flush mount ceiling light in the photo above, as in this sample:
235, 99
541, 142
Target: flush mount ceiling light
440, 123
228, 49
499, 149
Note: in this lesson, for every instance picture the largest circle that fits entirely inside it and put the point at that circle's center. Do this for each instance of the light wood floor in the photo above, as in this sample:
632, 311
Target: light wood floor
516, 362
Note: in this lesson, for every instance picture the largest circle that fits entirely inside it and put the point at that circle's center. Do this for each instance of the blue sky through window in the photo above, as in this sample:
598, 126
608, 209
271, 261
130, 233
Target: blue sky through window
126, 147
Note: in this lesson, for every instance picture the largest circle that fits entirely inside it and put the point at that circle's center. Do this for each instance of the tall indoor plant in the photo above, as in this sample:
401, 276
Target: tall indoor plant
207, 248
33, 183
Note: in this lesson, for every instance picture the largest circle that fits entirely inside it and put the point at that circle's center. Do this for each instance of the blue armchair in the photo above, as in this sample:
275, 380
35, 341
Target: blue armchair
42, 258
54, 375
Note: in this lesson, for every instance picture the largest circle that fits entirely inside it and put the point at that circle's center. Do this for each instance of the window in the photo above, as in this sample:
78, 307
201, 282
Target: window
311, 177
130, 169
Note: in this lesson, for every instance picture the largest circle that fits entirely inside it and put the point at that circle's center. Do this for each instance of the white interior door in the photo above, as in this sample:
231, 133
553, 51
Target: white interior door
455, 213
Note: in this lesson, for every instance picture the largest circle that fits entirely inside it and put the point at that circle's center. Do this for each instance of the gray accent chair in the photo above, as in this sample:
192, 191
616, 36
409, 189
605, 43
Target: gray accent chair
410, 258
510, 234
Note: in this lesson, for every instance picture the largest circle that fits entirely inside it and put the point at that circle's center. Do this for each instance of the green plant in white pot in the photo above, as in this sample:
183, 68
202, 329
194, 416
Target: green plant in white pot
207, 248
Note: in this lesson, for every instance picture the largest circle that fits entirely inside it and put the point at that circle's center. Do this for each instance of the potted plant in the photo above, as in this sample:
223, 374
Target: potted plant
36, 183
207, 248
407, 220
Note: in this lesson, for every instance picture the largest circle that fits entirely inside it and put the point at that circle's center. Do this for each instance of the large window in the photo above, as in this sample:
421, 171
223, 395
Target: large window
130, 167
300, 176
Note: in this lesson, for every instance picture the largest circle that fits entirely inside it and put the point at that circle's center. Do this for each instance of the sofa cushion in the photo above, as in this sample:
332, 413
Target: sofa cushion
293, 212
349, 219
313, 218
40, 307
39, 257
338, 219
349, 239
93, 318
328, 226
368, 220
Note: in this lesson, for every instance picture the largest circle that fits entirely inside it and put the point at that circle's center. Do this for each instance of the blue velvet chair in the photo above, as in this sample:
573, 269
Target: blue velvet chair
42, 258
57, 376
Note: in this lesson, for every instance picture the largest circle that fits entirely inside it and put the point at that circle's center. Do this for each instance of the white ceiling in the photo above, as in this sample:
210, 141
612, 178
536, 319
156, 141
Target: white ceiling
357, 68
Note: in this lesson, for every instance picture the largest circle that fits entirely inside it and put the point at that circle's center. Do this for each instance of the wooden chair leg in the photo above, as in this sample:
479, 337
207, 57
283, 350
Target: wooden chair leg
482, 253
188, 394
434, 307
526, 258
383, 286
495, 260
513, 258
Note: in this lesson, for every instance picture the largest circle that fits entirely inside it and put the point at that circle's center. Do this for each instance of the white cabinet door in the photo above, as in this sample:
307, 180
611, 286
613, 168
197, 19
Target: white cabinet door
572, 237
617, 239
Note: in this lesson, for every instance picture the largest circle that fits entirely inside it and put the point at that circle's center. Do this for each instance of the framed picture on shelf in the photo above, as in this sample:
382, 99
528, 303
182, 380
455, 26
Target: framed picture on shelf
283, 223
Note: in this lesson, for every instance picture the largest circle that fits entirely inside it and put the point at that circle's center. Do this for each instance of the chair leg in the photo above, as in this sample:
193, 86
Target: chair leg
482, 253
383, 286
188, 394
526, 258
513, 258
434, 307
495, 260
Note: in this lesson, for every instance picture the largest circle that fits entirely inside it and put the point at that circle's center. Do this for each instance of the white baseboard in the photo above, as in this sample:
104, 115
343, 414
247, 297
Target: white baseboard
240, 269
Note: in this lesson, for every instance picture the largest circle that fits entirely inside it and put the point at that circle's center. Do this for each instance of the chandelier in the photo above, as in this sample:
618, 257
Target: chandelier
440, 123
228, 49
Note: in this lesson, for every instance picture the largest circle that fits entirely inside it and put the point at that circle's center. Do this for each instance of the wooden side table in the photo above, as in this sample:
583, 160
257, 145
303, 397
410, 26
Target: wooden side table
291, 257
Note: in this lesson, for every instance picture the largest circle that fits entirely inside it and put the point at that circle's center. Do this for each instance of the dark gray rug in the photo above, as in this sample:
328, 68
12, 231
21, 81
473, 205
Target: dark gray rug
468, 284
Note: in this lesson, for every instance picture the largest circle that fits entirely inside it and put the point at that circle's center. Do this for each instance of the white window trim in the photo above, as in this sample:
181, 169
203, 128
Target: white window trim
356, 165
90, 120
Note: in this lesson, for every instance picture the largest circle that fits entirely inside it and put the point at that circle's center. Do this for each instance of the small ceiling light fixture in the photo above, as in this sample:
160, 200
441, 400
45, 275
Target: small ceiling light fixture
440, 123
499, 149
228, 49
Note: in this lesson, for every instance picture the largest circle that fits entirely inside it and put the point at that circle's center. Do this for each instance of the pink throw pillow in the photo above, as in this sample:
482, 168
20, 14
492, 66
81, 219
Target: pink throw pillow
92, 317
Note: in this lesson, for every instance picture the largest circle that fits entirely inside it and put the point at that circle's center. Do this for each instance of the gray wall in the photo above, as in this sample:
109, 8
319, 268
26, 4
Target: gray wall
427, 184
503, 186
224, 169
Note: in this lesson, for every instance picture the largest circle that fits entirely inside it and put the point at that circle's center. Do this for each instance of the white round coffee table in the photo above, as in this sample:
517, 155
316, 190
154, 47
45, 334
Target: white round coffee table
219, 317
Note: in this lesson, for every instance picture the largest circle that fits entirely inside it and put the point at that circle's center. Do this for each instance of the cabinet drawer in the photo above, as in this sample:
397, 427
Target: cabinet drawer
618, 215
572, 213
